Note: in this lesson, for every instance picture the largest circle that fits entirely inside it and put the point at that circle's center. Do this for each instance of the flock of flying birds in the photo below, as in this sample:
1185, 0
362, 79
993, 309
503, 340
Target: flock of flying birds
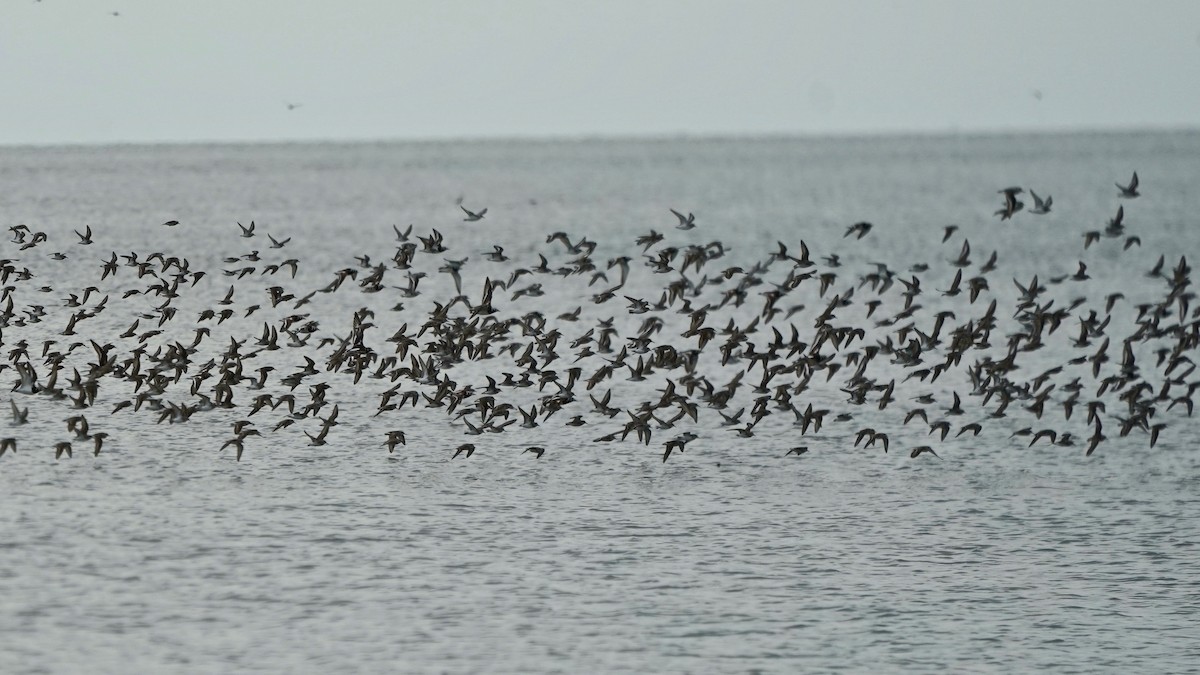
727, 346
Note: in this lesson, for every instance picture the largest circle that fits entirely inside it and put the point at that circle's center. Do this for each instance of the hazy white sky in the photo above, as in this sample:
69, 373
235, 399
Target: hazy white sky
71, 72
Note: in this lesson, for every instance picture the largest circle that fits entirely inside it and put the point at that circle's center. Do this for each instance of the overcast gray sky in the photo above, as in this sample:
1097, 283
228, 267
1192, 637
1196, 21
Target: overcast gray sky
72, 72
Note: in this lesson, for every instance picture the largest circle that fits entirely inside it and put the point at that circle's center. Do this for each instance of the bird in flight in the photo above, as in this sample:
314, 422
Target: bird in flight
1011, 203
860, 229
1040, 206
471, 215
922, 449
685, 222
394, 438
293, 106
1129, 191
19, 416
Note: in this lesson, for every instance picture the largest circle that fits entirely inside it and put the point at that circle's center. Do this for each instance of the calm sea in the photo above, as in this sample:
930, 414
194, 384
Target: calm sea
164, 554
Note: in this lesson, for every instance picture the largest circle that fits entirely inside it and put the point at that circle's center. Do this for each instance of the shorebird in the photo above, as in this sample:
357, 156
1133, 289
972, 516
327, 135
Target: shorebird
1044, 433
685, 222
1040, 206
537, 451
471, 215
468, 448
1130, 191
646, 241
27, 384
238, 444
394, 438
1116, 225
20, 416
678, 443
454, 269
238, 441
860, 229
1155, 430
974, 428
79, 425
1011, 203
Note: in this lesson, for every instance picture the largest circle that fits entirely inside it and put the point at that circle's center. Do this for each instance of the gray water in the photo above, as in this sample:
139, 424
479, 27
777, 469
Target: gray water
164, 555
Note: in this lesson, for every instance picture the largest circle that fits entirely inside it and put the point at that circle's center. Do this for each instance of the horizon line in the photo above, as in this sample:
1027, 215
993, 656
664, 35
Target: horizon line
584, 137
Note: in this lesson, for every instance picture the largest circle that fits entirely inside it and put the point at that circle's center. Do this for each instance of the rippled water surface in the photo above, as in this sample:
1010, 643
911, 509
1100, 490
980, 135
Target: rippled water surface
164, 554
